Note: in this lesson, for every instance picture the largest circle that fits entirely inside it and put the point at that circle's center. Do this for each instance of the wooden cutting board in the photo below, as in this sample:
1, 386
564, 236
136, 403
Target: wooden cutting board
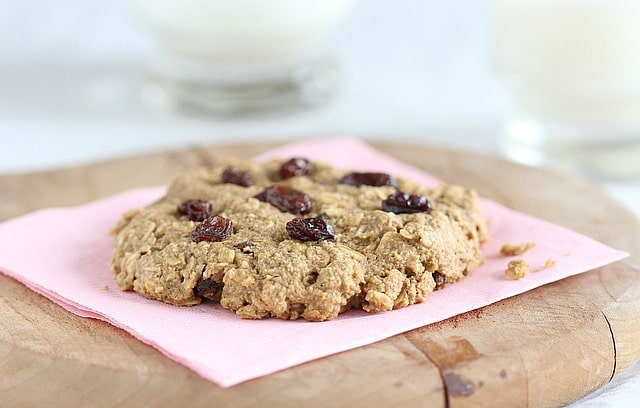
546, 347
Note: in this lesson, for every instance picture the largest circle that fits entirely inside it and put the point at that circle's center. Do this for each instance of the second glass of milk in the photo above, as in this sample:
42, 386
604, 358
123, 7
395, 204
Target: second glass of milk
237, 56
574, 67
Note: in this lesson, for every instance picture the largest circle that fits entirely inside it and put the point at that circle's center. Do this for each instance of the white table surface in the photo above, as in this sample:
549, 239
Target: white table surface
71, 75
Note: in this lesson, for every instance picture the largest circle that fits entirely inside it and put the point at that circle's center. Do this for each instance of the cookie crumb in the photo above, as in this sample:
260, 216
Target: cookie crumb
105, 288
549, 263
517, 269
517, 249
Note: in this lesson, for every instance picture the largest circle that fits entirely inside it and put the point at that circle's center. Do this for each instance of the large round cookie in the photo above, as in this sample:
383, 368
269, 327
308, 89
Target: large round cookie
378, 260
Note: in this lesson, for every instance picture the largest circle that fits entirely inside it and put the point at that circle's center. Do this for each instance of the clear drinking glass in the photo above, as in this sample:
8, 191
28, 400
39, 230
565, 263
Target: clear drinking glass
236, 56
574, 68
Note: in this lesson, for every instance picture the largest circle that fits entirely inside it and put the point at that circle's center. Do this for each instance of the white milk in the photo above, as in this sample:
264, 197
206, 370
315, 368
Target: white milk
236, 33
571, 60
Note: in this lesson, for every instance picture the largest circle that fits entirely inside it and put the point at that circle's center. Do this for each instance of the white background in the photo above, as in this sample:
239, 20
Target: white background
71, 75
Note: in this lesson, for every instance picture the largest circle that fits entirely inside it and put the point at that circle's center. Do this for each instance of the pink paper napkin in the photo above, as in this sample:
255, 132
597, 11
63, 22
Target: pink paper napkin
64, 254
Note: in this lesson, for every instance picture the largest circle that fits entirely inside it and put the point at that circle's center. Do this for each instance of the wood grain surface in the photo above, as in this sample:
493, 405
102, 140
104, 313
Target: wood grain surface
546, 347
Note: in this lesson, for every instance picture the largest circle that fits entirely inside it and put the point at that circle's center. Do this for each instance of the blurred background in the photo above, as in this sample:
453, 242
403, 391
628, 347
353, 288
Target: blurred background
72, 77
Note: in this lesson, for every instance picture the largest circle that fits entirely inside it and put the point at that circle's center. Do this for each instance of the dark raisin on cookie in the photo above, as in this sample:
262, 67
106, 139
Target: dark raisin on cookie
440, 279
310, 229
206, 288
286, 199
245, 246
296, 166
402, 203
233, 176
369, 179
213, 229
195, 209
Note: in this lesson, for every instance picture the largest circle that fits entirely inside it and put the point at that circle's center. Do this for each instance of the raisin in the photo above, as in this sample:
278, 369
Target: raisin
310, 229
295, 167
213, 229
369, 179
238, 177
195, 209
286, 198
400, 202
440, 279
245, 246
206, 288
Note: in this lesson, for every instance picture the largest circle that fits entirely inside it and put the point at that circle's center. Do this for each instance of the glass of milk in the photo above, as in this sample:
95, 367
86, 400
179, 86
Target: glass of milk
574, 68
234, 56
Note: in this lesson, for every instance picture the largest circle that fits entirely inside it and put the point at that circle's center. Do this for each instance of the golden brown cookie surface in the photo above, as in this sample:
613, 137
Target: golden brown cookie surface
243, 255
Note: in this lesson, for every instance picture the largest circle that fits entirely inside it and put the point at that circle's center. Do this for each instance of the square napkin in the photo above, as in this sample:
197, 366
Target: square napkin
69, 263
